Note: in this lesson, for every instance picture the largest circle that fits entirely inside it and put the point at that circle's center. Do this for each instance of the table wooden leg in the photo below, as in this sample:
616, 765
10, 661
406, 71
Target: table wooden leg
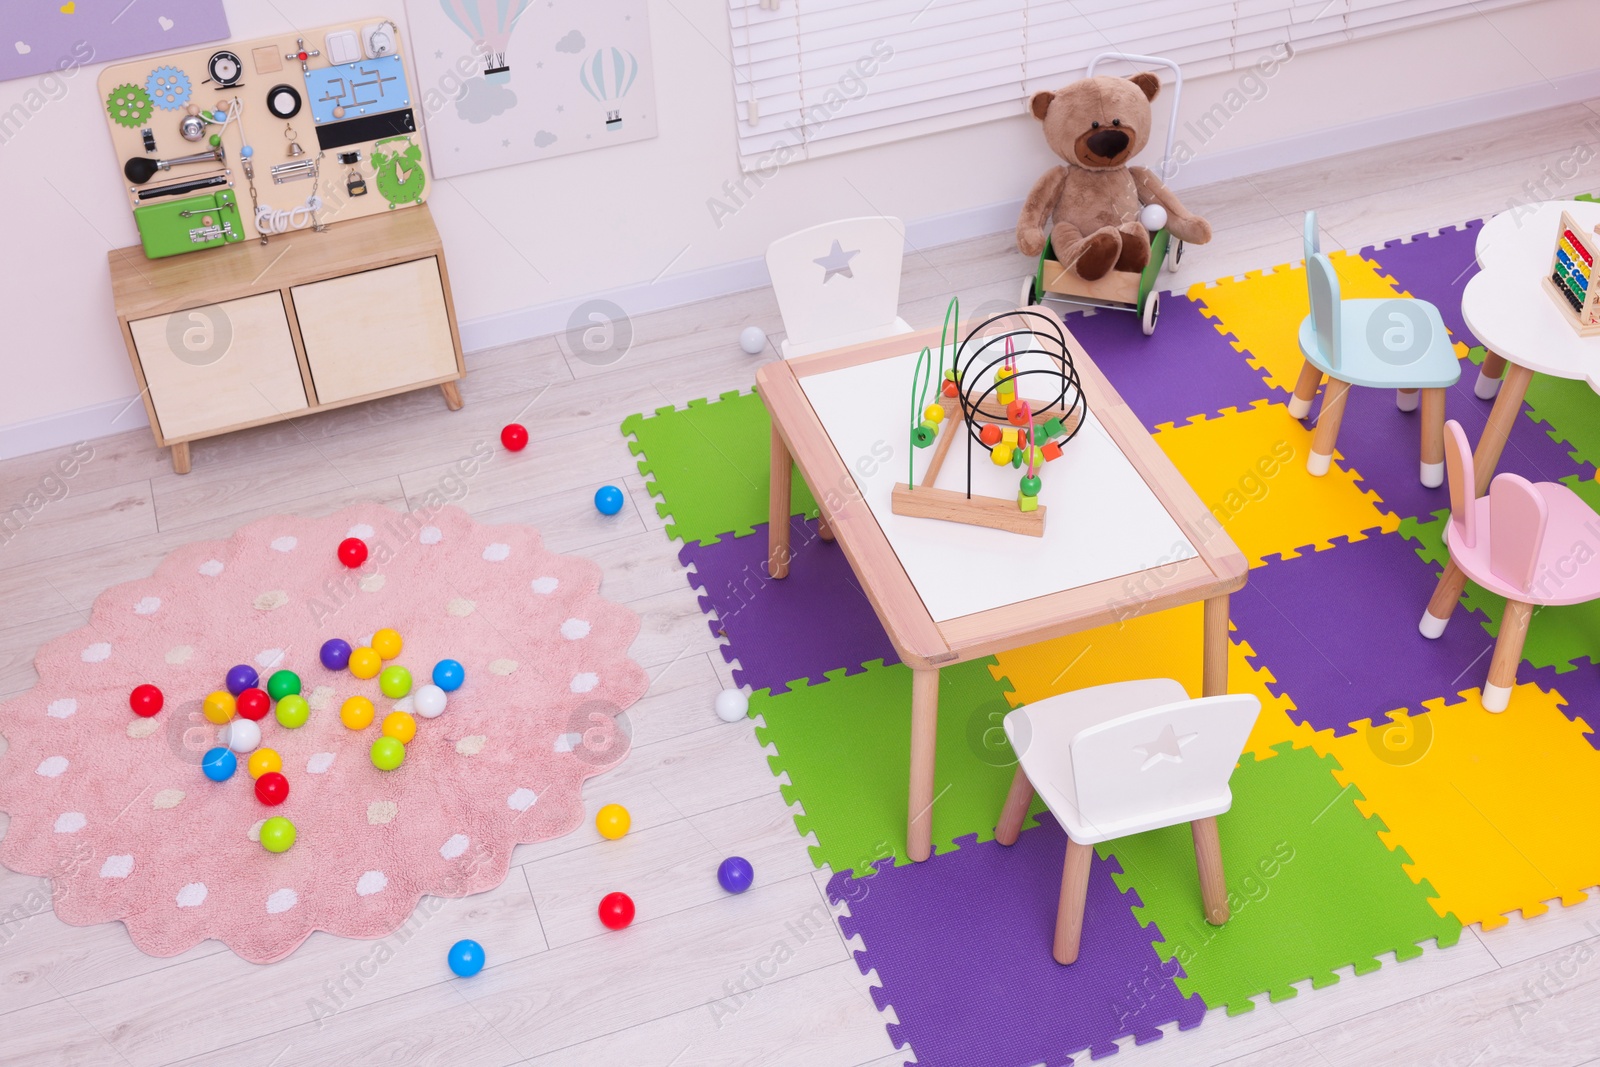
1494, 365
1016, 808
1506, 408
778, 508
180, 458
1074, 895
924, 735
1214, 656
824, 531
452, 395
1433, 438
1208, 859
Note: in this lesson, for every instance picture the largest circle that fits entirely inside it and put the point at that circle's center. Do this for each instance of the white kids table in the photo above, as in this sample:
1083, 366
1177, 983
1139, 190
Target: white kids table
1125, 534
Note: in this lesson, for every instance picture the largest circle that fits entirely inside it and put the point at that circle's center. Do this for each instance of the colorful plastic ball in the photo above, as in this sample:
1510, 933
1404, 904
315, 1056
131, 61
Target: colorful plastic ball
387, 753
277, 834
612, 821
616, 910
263, 760
272, 789
753, 339
335, 654
732, 705
240, 735
387, 643
429, 701
219, 764
466, 958
219, 707
514, 437
293, 711
241, 677
253, 704
395, 682
356, 714
352, 552
736, 875
448, 674
146, 700
608, 499
282, 684
400, 726
365, 663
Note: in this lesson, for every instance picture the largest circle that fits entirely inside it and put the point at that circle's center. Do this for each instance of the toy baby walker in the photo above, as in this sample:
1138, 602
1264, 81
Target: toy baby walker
1101, 228
980, 391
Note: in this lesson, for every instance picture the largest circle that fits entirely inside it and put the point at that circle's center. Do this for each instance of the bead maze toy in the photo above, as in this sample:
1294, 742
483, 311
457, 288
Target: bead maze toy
980, 392
1571, 278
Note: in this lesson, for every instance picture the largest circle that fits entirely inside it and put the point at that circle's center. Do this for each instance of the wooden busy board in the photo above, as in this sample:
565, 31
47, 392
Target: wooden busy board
351, 95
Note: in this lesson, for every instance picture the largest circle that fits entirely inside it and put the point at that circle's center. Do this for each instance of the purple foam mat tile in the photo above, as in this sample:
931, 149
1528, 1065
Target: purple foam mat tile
1580, 688
961, 943
1185, 368
1436, 269
816, 620
1338, 631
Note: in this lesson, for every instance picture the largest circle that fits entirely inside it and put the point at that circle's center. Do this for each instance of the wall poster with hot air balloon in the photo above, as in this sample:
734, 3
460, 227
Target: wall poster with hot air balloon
511, 81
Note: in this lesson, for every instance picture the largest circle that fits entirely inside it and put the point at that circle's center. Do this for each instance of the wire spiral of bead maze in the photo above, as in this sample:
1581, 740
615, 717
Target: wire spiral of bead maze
979, 389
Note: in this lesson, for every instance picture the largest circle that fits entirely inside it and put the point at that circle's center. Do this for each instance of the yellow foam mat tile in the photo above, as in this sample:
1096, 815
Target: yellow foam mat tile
1248, 467
1263, 309
1499, 813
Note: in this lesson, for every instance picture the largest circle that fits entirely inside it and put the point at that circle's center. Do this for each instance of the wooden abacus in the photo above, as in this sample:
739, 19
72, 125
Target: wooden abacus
1571, 277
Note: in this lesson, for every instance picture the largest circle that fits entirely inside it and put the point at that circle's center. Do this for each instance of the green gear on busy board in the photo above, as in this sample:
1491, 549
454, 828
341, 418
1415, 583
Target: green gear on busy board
129, 105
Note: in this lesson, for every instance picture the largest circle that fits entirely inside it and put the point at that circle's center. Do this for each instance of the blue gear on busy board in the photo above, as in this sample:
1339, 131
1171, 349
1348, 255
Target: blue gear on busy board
168, 88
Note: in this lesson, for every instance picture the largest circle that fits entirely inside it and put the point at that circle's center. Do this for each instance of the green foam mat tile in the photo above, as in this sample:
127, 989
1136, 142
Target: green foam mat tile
845, 744
1311, 888
710, 463
1569, 411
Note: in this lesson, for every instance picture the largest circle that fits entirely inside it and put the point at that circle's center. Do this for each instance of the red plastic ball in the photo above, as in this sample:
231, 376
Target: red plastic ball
253, 704
145, 700
272, 789
514, 437
352, 552
616, 910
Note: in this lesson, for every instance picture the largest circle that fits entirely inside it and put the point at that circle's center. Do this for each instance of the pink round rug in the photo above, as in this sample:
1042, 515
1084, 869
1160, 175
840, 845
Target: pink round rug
116, 811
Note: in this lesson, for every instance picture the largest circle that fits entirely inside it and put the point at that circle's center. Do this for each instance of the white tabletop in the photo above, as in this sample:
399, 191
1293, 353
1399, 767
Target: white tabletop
1103, 521
1506, 305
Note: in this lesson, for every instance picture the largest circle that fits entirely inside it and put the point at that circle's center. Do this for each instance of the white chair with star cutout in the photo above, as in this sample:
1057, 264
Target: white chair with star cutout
1121, 759
838, 283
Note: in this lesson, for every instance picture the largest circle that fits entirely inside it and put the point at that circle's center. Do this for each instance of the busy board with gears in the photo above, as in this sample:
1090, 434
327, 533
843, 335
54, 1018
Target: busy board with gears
251, 139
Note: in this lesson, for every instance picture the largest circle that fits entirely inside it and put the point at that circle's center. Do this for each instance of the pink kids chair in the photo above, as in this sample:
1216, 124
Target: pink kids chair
1518, 542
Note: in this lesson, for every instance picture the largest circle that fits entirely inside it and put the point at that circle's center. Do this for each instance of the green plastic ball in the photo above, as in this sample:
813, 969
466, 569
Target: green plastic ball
395, 682
292, 711
277, 834
282, 684
387, 753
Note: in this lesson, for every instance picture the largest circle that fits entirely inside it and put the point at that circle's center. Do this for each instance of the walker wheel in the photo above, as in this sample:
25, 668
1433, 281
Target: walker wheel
1030, 293
1152, 311
1174, 255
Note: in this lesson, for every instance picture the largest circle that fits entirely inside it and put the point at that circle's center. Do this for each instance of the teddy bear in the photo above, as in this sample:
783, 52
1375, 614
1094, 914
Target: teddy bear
1092, 203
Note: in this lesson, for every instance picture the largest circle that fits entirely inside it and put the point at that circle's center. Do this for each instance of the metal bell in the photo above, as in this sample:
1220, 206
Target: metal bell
295, 151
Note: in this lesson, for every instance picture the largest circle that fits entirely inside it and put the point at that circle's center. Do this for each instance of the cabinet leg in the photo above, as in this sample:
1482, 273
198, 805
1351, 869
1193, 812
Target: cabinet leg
180, 458
452, 395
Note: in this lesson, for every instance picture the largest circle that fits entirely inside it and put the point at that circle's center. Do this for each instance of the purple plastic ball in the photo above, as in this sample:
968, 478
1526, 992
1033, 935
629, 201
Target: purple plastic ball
241, 678
736, 874
335, 654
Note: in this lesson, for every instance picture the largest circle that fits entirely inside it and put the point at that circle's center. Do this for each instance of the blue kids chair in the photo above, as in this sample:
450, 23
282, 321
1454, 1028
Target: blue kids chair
1399, 343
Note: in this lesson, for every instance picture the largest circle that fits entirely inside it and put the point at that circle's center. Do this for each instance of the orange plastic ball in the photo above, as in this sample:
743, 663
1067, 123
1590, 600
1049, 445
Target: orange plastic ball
400, 726
386, 643
612, 821
365, 663
219, 707
356, 713
263, 760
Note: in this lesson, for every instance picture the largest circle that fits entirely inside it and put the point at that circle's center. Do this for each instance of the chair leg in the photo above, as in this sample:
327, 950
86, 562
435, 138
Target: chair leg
1074, 894
1305, 390
1433, 438
1507, 654
1016, 808
1208, 859
1443, 602
1328, 421
1406, 399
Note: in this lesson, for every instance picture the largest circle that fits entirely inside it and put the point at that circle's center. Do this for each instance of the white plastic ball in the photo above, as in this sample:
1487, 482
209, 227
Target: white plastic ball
240, 735
753, 339
732, 705
1153, 217
428, 701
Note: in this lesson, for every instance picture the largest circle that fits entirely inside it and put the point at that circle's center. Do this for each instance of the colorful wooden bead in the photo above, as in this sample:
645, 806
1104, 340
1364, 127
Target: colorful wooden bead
1051, 451
1001, 454
934, 413
950, 389
1053, 428
922, 435
1027, 503
1015, 414
1016, 457
1030, 485
990, 434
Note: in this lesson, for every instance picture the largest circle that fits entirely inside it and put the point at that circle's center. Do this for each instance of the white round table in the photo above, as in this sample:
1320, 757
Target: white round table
1507, 308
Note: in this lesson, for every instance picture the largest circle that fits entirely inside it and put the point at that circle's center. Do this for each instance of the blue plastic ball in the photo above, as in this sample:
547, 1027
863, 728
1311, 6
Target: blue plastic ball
335, 654
448, 675
736, 874
609, 499
219, 764
466, 958
241, 678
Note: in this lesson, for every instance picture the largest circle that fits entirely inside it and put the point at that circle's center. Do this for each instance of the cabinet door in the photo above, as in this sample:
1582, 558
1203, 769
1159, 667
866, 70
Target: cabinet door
219, 366
376, 332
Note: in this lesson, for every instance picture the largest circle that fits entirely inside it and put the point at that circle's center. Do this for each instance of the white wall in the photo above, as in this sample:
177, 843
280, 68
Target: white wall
635, 217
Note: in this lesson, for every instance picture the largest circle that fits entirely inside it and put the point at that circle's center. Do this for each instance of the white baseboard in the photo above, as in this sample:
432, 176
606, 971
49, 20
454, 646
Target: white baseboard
737, 276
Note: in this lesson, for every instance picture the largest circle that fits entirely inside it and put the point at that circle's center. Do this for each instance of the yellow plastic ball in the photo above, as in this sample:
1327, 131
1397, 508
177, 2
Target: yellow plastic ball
612, 821
386, 643
934, 413
365, 663
219, 707
400, 726
263, 760
356, 713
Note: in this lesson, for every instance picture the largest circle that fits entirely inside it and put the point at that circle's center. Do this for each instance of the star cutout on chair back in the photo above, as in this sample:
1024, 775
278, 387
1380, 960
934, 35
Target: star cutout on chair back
837, 261
1169, 746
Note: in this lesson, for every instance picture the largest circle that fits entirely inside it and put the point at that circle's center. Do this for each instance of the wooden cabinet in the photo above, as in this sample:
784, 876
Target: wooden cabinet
235, 337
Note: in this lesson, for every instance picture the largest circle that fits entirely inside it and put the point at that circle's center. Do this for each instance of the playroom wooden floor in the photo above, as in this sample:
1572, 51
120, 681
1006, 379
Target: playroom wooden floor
691, 982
